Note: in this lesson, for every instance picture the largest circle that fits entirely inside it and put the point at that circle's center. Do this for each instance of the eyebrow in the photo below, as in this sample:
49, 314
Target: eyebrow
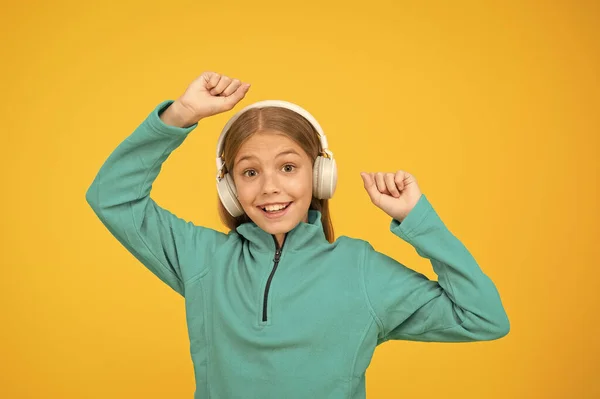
286, 152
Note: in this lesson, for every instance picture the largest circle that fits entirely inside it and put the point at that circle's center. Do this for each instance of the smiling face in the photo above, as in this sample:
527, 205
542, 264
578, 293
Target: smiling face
273, 179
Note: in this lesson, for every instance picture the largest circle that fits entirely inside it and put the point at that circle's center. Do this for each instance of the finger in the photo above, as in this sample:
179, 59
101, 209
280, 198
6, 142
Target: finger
233, 86
391, 184
380, 181
399, 179
370, 185
223, 83
212, 80
236, 97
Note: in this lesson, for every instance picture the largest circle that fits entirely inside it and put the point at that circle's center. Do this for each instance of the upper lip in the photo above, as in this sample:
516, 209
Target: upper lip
273, 203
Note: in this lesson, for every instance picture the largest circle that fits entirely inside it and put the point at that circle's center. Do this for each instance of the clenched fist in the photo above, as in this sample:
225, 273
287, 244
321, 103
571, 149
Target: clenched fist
394, 193
209, 94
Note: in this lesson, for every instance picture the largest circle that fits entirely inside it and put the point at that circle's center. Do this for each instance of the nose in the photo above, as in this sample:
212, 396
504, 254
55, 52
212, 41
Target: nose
270, 183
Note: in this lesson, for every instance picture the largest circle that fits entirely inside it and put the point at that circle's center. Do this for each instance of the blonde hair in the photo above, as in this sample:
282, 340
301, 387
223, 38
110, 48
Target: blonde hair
295, 127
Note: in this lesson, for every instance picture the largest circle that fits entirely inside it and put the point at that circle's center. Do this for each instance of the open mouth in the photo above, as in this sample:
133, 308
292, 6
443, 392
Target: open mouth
275, 211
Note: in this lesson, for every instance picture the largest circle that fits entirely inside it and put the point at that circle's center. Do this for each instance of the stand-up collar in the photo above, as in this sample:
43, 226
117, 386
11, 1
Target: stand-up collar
303, 235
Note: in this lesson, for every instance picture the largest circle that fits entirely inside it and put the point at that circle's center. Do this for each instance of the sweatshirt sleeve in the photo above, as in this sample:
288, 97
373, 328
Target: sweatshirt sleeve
120, 196
462, 306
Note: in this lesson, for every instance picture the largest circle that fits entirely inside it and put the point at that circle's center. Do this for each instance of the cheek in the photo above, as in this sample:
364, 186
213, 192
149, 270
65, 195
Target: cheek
302, 184
245, 192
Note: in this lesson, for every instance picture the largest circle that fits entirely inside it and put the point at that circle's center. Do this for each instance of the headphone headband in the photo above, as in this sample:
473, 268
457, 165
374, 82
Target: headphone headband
269, 103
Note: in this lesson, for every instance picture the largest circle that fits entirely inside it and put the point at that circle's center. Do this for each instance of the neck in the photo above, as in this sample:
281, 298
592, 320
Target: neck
279, 239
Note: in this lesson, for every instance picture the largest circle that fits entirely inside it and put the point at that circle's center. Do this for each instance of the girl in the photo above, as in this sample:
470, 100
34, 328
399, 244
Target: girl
278, 308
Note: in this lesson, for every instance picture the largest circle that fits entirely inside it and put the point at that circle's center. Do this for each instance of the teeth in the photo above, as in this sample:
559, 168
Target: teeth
271, 208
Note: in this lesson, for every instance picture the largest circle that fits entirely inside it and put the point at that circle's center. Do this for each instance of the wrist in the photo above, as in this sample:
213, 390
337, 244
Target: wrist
177, 115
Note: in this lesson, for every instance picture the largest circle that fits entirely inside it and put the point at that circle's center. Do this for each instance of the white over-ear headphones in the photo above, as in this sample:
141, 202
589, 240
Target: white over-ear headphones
324, 169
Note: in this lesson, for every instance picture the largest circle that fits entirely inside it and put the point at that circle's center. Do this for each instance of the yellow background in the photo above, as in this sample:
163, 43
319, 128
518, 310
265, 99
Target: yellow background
494, 107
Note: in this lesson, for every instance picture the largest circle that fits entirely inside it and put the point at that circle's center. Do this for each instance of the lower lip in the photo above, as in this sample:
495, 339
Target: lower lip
278, 214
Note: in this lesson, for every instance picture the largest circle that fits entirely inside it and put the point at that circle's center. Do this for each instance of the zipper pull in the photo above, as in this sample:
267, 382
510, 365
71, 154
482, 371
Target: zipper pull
277, 255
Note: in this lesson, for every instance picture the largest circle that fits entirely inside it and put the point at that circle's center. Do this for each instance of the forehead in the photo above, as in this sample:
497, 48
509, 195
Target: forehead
267, 145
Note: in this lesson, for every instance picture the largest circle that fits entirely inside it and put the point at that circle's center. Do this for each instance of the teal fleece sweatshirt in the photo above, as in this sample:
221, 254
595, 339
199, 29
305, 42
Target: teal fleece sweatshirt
302, 322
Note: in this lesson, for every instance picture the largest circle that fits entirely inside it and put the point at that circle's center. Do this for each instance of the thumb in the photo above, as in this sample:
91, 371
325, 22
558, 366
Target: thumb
370, 186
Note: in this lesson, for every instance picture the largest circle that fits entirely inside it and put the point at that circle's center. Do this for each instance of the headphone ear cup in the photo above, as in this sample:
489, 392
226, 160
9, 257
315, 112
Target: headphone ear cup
324, 177
228, 196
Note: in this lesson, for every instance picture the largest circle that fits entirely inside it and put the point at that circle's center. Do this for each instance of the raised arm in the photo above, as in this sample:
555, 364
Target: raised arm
173, 249
462, 305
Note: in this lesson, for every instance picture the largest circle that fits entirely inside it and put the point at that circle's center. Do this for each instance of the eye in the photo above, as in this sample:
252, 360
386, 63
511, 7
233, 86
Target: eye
289, 168
249, 173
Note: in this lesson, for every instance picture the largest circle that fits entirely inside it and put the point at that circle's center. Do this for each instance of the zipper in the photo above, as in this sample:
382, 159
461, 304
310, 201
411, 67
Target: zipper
275, 264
